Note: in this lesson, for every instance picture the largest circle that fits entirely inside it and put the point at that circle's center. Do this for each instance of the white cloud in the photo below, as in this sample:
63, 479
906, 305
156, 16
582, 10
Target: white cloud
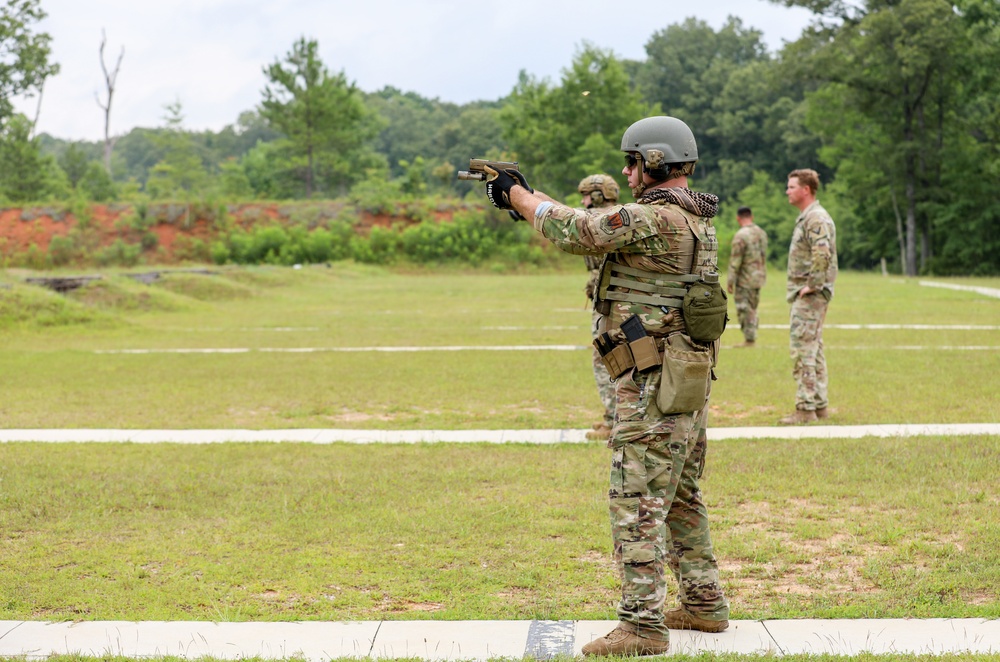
209, 54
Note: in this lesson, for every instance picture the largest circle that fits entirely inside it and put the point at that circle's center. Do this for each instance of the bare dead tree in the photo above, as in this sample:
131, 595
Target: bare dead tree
109, 81
38, 108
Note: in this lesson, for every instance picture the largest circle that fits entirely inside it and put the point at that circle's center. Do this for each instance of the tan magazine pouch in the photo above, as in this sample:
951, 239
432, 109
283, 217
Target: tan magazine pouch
644, 354
618, 361
686, 372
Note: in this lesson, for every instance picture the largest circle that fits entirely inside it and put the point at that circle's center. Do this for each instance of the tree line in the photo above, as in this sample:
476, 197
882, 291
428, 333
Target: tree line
895, 102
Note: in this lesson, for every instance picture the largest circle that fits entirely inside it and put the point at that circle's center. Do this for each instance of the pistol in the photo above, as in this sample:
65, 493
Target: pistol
477, 172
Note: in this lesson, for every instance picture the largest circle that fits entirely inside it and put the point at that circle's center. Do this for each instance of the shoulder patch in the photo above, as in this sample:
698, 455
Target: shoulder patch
612, 223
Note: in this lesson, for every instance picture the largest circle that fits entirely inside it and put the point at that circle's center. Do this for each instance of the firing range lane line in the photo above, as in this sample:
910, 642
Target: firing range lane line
540, 437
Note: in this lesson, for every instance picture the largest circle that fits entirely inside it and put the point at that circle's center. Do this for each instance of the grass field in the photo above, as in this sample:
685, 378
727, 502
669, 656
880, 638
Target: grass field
834, 528
52, 373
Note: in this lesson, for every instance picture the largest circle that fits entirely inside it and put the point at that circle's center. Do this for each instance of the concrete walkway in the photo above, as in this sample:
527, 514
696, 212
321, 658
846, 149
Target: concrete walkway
479, 640
327, 436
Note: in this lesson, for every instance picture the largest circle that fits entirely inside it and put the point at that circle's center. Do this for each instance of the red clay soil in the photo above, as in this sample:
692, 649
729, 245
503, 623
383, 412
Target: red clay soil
22, 228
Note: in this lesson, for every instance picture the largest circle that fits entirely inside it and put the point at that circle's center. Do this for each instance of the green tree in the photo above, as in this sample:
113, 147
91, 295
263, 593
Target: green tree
475, 132
74, 163
322, 116
182, 170
560, 133
895, 67
24, 54
411, 125
723, 85
908, 93
234, 181
414, 181
96, 183
22, 166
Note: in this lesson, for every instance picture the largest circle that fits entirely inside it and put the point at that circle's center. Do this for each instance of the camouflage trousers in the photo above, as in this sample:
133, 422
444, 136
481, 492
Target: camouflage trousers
806, 349
605, 389
747, 299
658, 517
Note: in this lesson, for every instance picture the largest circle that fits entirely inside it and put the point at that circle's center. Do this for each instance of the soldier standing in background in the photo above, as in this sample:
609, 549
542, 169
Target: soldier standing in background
659, 250
747, 272
599, 191
812, 270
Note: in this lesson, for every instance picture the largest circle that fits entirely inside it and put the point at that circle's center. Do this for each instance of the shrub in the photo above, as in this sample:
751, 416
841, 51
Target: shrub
220, 252
341, 234
119, 253
191, 249
383, 244
33, 258
470, 237
62, 250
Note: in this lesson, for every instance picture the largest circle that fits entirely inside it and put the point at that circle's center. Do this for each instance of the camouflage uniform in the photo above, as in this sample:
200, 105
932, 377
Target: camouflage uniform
605, 388
658, 517
812, 261
747, 274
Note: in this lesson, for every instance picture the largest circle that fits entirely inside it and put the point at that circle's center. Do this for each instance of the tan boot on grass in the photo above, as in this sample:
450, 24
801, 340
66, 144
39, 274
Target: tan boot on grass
623, 641
800, 417
680, 618
601, 432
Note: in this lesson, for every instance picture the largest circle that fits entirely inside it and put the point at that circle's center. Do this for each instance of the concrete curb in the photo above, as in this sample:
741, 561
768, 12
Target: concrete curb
479, 640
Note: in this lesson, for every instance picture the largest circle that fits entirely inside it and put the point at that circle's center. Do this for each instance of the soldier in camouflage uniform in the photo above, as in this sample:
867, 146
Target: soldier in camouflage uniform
747, 272
659, 520
599, 191
812, 270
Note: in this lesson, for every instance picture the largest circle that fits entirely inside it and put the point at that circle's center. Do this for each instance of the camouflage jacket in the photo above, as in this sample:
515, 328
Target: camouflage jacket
593, 264
812, 256
748, 259
659, 233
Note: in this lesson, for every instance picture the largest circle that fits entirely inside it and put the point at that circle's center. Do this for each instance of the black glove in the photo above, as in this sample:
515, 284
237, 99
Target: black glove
499, 184
516, 215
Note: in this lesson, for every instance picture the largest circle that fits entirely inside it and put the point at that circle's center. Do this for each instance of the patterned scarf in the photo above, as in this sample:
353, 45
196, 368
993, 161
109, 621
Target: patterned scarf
696, 202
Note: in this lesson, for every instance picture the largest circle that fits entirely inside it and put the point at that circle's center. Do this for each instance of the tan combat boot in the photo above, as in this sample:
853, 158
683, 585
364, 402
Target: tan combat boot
624, 641
822, 413
680, 618
746, 343
601, 432
800, 417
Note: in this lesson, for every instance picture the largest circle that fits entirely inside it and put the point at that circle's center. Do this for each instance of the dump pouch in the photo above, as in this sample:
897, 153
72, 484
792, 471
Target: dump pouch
686, 372
705, 309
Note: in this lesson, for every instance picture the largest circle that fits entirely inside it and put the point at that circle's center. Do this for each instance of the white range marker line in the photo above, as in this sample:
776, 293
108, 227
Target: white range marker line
906, 327
307, 350
494, 348
985, 291
550, 436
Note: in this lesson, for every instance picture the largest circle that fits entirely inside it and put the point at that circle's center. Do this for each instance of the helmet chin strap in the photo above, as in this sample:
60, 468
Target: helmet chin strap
640, 163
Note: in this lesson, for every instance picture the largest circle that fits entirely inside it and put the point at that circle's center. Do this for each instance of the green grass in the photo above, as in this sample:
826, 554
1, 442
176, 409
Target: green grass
679, 657
231, 532
845, 529
51, 375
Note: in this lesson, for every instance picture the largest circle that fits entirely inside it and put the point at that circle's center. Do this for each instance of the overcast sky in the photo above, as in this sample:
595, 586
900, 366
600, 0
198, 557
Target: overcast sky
209, 54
